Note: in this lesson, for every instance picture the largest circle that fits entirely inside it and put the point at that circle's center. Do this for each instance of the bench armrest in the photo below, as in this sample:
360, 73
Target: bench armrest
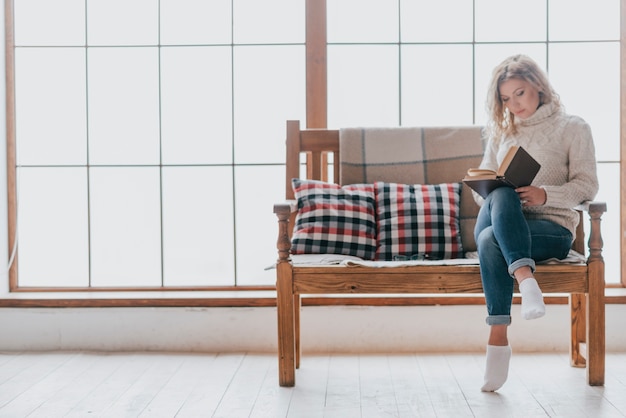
590, 206
287, 207
595, 243
283, 212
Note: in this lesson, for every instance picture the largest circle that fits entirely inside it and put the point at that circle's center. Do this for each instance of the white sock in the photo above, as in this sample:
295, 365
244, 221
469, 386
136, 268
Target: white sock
532, 299
497, 367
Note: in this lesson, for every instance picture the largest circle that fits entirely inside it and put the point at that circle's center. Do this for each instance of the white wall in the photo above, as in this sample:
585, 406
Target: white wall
324, 329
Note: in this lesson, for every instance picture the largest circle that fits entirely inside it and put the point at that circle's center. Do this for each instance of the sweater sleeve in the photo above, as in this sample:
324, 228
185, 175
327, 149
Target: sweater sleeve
582, 181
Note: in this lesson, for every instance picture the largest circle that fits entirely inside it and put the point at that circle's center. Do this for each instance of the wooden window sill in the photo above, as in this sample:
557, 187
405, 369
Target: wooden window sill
249, 299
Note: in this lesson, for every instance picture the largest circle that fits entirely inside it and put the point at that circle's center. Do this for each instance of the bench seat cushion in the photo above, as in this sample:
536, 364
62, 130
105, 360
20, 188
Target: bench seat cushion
471, 258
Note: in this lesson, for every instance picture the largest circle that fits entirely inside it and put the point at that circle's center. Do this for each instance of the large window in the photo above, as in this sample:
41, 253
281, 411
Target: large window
149, 134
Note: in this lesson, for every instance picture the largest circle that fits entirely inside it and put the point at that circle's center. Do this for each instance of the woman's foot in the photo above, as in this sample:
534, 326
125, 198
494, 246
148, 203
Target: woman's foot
496, 367
532, 299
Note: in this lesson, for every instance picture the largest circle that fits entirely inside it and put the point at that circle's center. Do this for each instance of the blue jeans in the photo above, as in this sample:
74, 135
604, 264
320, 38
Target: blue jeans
506, 241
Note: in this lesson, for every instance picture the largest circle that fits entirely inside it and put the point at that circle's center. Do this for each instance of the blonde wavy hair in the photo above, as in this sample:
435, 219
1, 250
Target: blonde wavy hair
501, 121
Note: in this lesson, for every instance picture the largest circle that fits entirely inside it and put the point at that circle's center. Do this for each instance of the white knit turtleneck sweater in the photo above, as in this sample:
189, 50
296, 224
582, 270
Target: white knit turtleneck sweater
563, 145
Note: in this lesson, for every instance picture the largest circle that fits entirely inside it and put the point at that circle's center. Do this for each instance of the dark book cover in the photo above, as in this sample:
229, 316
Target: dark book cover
518, 169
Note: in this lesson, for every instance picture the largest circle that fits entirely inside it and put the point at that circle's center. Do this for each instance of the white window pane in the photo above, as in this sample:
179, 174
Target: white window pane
192, 22
510, 20
428, 99
196, 111
257, 189
198, 246
50, 103
123, 22
609, 193
598, 102
363, 85
123, 106
268, 21
362, 21
436, 21
584, 20
52, 227
487, 57
125, 227
45, 22
269, 84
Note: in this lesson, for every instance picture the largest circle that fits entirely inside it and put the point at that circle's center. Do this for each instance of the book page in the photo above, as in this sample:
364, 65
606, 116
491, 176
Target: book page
472, 172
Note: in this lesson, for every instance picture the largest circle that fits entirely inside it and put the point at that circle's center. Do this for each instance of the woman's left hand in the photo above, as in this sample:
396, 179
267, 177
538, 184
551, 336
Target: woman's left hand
531, 195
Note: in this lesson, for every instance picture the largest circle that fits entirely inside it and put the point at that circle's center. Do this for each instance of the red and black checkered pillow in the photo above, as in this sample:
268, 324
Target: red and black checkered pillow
334, 220
418, 221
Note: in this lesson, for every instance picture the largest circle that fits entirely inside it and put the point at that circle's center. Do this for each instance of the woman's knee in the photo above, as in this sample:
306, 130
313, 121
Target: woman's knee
503, 193
503, 198
485, 240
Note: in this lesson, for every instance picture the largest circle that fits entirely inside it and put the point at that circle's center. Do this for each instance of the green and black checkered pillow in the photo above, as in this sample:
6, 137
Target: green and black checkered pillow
333, 219
418, 221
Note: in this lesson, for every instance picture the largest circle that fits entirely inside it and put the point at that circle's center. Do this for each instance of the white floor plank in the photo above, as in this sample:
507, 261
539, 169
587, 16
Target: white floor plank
208, 393
377, 389
246, 385
410, 388
75, 380
102, 398
243, 390
177, 390
272, 400
445, 395
309, 395
25, 380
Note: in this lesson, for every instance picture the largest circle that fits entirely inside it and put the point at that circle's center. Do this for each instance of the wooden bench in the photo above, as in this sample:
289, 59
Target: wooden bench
584, 282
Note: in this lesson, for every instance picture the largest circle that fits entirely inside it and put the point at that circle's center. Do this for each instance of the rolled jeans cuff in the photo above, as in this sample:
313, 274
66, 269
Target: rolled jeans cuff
498, 320
522, 262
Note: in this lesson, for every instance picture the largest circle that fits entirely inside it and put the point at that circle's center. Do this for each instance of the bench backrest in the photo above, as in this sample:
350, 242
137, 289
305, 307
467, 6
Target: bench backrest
408, 155
415, 155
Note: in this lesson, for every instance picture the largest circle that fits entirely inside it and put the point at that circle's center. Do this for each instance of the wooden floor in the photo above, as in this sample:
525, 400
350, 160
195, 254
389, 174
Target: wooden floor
85, 384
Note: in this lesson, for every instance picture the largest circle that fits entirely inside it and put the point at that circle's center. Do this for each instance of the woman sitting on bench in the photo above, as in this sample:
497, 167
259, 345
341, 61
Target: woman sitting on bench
518, 227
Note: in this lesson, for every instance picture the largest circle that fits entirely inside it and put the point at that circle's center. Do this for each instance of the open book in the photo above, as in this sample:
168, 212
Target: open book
518, 169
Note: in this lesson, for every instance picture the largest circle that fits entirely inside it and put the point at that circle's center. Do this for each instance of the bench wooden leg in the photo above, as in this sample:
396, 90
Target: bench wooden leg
578, 324
297, 307
596, 349
286, 326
